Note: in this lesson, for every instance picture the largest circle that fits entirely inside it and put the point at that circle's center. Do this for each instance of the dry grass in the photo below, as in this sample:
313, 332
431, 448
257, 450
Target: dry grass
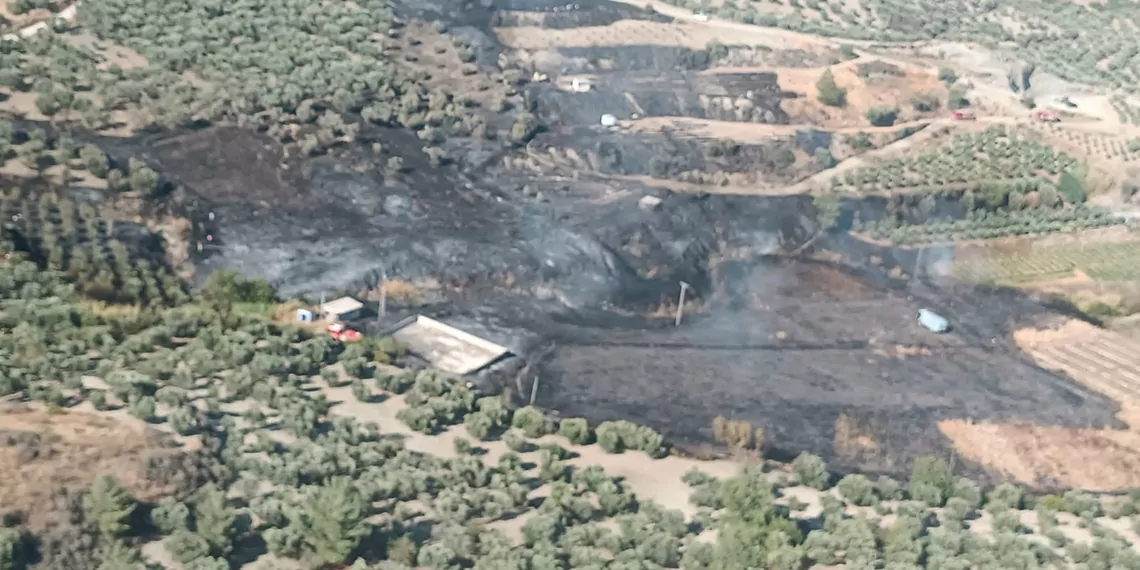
862, 94
73, 448
738, 131
1089, 458
692, 34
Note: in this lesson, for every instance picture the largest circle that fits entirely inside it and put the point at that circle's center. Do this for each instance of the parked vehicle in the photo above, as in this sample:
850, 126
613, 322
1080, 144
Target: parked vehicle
1047, 116
341, 333
963, 115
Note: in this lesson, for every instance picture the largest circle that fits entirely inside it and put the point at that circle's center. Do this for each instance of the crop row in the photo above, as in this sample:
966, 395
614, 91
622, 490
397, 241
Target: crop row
988, 225
1103, 262
77, 240
992, 155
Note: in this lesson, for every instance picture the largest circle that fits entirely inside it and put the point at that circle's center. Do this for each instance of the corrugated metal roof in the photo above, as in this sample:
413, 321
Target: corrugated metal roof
341, 306
446, 347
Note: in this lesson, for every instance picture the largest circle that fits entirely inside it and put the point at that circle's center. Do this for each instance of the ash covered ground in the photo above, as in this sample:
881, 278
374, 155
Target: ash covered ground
557, 261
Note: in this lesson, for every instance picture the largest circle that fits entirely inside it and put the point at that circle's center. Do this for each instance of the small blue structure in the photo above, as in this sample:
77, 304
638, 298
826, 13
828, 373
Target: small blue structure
305, 315
932, 321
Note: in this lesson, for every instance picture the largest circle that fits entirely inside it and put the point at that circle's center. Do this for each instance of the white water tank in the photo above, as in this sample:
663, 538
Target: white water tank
933, 321
609, 120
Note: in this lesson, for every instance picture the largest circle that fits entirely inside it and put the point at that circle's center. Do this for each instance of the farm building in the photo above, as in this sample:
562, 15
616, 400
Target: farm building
445, 347
342, 309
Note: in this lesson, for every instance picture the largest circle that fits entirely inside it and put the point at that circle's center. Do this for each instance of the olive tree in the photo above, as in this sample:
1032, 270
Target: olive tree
109, 505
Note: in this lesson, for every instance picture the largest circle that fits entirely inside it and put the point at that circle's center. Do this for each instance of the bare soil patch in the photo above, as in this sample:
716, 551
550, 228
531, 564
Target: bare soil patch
42, 452
633, 32
863, 93
1093, 459
737, 131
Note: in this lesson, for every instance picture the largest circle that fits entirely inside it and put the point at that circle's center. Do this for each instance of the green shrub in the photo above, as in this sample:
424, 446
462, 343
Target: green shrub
186, 546
170, 515
811, 471
109, 506
208, 563
361, 391
577, 430
857, 489
214, 519
967, 490
888, 489
95, 160
927, 493
933, 478
183, 420
1006, 495
12, 550
651, 442
478, 425
609, 436
524, 129
829, 93
516, 440
143, 408
1072, 189
1081, 503
531, 421
463, 446
882, 116
958, 509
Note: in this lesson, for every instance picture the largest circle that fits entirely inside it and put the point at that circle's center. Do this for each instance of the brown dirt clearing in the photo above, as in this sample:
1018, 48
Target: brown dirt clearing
43, 451
1090, 458
632, 32
862, 94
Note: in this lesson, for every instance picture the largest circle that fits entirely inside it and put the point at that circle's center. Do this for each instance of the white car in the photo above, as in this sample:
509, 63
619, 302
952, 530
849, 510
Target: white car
701, 17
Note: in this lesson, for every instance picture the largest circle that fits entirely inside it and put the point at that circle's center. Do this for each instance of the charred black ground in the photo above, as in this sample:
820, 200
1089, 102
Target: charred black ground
546, 250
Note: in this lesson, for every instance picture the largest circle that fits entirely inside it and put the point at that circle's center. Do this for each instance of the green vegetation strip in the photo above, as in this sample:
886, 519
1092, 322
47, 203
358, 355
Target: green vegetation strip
972, 161
1103, 262
987, 225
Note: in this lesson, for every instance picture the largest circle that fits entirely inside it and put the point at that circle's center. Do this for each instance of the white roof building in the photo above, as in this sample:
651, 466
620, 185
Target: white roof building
342, 308
446, 347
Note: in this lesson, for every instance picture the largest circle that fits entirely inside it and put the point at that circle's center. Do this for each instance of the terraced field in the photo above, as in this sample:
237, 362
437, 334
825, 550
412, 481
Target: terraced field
1102, 360
1099, 261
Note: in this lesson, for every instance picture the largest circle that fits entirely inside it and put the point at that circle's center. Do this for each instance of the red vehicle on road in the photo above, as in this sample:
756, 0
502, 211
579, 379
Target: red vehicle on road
963, 115
1047, 116
342, 333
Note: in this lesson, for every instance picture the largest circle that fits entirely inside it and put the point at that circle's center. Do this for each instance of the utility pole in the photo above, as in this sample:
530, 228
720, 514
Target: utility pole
383, 310
321, 307
534, 391
681, 304
918, 260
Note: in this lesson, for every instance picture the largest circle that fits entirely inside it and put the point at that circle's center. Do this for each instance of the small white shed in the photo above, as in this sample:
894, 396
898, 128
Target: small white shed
342, 309
609, 120
649, 202
579, 85
305, 316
